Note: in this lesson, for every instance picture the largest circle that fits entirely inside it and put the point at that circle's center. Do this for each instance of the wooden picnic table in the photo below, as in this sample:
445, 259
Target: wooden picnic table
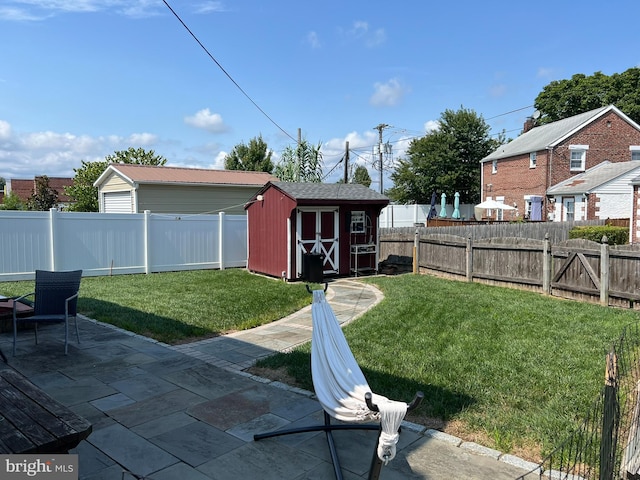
6, 313
33, 422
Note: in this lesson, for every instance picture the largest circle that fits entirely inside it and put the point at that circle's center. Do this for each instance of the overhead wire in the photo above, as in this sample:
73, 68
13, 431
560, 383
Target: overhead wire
512, 111
227, 73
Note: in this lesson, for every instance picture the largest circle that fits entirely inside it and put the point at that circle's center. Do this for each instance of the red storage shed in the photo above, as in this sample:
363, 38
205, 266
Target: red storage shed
291, 224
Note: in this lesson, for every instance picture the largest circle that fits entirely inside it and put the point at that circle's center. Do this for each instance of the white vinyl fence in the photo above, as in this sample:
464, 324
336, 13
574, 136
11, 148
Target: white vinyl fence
110, 244
397, 216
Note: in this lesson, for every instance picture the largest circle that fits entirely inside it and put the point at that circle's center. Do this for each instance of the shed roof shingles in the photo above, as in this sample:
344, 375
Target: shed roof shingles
177, 175
330, 191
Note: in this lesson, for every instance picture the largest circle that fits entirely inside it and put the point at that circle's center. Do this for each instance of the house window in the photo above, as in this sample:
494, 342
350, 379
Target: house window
494, 166
635, 152
532, 160
578, 157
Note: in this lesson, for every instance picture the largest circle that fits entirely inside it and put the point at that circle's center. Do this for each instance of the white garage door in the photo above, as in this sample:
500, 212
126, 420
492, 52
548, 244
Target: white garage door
118, 202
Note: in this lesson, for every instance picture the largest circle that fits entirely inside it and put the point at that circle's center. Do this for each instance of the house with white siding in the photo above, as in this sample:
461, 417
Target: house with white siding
601, 192
130, 188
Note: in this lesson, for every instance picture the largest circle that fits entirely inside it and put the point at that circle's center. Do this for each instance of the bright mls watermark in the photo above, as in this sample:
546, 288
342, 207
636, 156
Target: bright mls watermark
39, 466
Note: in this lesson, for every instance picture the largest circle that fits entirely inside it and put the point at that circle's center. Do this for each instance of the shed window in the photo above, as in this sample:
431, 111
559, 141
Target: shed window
532, 160
494, 166
635, 152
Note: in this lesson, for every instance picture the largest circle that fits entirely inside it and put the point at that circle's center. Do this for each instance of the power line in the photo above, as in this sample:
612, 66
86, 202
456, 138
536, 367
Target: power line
512, 111
226, 73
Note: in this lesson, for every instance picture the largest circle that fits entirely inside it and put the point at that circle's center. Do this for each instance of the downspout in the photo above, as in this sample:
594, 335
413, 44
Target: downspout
481, 182
548, 182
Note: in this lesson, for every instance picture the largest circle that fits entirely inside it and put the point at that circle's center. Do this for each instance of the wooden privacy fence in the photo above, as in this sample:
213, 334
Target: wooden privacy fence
575, 268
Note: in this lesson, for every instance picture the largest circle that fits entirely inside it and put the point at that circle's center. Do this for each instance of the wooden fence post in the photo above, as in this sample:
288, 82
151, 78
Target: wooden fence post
469, 259
416, 252
546, 265
610, 419
604, 272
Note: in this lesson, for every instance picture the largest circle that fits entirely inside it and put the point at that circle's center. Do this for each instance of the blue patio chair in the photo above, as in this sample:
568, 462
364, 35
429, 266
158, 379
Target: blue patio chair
55, 301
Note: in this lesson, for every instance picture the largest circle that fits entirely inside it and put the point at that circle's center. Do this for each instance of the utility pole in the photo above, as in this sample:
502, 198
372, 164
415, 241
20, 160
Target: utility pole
298, 153
380, 128
346, 163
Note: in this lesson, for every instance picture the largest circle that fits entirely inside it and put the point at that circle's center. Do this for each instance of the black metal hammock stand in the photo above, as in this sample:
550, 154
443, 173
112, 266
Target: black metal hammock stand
329, 428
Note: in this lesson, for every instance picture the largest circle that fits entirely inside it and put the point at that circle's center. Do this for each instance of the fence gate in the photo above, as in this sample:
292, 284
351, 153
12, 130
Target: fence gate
576, 267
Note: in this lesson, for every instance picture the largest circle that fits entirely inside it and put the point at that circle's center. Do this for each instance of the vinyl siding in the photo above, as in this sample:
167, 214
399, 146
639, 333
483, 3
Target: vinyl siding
194, 199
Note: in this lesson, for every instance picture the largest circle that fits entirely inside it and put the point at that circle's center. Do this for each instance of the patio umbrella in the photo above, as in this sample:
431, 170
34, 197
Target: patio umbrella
432, 209
491, 205
443, 205
456, 206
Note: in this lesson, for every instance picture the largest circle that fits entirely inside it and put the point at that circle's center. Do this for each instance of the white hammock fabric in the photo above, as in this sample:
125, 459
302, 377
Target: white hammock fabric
341, 386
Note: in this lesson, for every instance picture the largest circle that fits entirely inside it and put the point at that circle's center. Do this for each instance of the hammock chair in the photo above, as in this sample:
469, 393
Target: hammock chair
344, 394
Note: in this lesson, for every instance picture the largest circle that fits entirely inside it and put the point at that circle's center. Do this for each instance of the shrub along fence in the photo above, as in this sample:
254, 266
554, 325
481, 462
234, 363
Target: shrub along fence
575, 268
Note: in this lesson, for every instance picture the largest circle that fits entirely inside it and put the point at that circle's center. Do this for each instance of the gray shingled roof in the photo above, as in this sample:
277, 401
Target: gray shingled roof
551, 134
593, 178
330, 191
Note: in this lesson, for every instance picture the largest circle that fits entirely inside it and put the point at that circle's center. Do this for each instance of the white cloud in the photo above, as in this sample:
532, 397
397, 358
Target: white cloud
219, 161
545, 72
205, 120
370, 37
498, 90
19, 15
142, 139
431, 126
33, 10
387, 94
210, 7
355, 139
5, 130
313, 40
25, 155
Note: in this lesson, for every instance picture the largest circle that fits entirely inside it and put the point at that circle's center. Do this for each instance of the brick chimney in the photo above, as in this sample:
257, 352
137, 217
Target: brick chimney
529, 123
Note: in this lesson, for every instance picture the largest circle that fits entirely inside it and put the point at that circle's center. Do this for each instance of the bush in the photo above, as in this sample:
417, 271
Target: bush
615, 235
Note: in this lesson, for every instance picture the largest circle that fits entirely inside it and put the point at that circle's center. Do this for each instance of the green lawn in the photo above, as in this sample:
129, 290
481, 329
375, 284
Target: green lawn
179, 306
514, 369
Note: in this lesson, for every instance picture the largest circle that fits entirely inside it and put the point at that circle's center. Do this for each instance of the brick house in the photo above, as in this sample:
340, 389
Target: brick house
634, 223
604, 191
24, 188
521, 172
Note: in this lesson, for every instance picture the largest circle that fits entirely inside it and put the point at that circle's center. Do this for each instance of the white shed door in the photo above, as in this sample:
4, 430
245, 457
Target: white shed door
117, 202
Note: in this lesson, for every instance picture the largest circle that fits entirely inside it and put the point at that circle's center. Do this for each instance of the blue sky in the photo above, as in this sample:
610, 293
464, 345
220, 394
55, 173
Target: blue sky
80, 79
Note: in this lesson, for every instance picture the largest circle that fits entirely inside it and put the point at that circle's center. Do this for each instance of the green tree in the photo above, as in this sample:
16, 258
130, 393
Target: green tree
84, 195
137, 156
300, 164
13, 202
255, 157
565, 98
445, 160
361, 176
44, 197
